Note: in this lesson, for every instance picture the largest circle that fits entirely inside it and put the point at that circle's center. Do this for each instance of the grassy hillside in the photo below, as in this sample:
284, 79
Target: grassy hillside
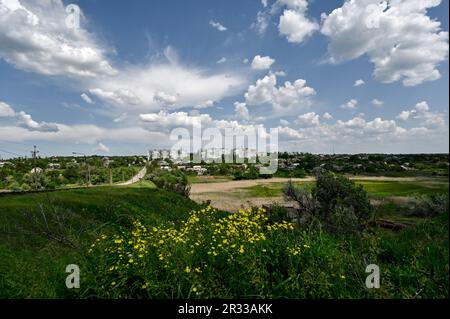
41, 233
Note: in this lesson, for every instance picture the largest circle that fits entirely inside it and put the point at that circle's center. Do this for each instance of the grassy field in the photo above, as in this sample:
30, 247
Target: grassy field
260, 192
43, 232
194, 179
33, 256
374, 188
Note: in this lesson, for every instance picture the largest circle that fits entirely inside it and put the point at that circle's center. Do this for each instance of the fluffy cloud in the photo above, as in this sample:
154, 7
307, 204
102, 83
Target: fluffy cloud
421, 114
144, 88
36, 38
204, 105
359, 82
27, 122
6, 110
120, 96
217, 25
308, 120
311, 134
404, 115
350, 105
400, 39
293, 22
86, 98
289, 133
164, 98
377, 102
164, 120
241, 111
327, 116
295, 94
262, 62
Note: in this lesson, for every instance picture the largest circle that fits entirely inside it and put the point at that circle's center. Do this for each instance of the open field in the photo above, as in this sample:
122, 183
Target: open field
43, 232
233, 195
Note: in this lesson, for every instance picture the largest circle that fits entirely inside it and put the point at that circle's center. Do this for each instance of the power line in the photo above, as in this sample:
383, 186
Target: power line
11, 153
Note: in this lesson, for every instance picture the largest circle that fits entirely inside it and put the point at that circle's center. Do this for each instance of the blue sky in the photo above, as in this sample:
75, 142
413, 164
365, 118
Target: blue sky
146, 67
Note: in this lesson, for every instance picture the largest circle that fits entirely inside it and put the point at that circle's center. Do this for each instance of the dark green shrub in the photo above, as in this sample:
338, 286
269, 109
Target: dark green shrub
336, 201
428, 205
175, 181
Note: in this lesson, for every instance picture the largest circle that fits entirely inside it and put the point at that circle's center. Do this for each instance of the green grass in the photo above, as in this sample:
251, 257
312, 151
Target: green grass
414, 262
142, 184
194, 179
33, 260
374, 188
395, 188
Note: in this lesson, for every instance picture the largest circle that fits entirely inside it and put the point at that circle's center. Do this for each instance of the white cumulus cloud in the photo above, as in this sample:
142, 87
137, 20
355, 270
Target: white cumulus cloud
262, 62
350, 105
377, 102
35, 37
6, 110
293, 22
217, 25
295, 94
400, 39
241, 111
359, 82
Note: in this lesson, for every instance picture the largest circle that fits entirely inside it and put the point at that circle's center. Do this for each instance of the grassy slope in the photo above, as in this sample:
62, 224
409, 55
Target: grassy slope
83, 213
32, 265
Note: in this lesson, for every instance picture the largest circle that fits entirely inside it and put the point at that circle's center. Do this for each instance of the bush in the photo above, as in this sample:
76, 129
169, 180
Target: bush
336, 201
334, 190
175, 181
251, 173
276, 213
343, 220
428, 205
25, 187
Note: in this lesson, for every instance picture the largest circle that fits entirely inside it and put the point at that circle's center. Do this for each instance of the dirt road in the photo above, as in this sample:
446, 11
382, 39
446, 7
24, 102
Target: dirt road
136, 178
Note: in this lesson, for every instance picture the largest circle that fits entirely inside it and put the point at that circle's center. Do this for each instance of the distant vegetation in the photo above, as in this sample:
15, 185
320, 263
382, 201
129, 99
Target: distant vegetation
55, 172
58, 172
